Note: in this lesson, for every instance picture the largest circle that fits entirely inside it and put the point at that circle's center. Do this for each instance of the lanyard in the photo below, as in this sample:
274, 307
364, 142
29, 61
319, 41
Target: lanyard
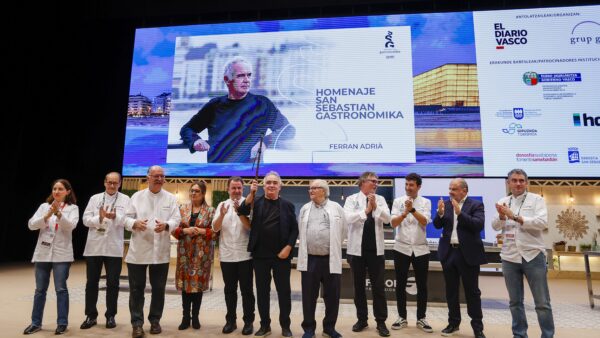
510, 203
56, 224
112, 207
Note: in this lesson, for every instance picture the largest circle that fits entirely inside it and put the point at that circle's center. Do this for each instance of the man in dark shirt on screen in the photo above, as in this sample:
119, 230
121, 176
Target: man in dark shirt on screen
236, 121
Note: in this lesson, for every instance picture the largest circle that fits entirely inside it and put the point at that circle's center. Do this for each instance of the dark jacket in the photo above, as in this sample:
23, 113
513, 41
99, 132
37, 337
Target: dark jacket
288, 224
471, 221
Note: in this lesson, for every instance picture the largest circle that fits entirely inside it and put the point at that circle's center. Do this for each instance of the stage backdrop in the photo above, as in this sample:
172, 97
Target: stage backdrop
441, 94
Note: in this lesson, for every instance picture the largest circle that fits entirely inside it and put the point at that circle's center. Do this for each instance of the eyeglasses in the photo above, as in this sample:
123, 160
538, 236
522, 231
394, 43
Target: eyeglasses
373, 180
111, 183
195, 191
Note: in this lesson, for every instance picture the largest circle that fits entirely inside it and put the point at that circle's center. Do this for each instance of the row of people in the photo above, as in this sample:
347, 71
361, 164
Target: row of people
257, 236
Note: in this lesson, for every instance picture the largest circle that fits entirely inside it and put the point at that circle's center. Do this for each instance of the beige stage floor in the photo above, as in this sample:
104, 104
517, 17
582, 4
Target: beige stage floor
572, 313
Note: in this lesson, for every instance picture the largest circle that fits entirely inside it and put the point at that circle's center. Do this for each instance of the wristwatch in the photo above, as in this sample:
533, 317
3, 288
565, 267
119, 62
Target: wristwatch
412, 210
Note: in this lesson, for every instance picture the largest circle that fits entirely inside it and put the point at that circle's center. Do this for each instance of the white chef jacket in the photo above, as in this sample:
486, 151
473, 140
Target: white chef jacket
149, 247
233, 242
355, 216
55, 241
106, 238
411, 237
523, 241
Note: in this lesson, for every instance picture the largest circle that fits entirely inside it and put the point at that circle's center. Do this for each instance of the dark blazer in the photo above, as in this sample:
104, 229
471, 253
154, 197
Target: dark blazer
471, 221
288, 224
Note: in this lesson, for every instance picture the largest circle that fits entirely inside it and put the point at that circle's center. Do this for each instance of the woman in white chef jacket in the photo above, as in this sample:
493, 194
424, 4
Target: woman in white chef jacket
55, 219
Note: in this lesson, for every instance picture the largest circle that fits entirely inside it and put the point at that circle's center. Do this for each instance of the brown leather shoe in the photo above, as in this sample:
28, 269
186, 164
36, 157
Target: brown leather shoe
138, 332
155, 328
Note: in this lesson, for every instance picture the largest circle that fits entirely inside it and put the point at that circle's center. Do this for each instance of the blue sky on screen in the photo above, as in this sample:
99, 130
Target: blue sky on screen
437, 39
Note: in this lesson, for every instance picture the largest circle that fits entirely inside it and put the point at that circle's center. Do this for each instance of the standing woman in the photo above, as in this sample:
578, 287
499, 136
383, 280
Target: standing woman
56, 219
195, 252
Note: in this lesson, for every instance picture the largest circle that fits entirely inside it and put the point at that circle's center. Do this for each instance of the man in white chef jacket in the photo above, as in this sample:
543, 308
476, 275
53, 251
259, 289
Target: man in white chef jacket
152, 216
105, 218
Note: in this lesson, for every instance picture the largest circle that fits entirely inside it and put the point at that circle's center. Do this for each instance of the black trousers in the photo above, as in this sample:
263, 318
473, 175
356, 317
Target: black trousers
456, 268
421, 267
318, 273
242, 273
137, 285
281, 274
375, 265
112, 266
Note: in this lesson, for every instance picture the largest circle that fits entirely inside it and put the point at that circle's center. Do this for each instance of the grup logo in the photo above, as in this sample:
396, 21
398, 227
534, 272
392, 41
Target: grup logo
586, 33
509, 37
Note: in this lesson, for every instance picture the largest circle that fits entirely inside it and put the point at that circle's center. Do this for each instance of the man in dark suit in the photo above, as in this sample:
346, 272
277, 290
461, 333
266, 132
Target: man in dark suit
273, 234
461, 253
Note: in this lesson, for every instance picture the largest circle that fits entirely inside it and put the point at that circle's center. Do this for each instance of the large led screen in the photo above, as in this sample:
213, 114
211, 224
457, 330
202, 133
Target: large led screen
446, 94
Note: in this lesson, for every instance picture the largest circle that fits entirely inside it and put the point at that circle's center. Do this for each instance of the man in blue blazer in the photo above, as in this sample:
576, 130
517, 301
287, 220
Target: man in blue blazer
273, 234
461, 253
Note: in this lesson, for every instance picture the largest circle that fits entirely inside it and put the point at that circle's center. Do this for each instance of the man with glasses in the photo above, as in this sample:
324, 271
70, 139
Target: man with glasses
522, 216
105, 218
322, 229
152, 215
236, 121
273, 234
366, 213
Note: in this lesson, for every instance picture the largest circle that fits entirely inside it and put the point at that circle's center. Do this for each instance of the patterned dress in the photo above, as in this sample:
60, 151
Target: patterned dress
195, 254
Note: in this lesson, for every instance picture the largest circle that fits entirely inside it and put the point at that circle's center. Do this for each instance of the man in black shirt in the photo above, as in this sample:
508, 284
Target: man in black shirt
236, 121
273, 234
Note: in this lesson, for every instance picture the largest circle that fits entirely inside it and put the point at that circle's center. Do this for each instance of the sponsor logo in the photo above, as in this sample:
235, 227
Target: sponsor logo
389, 46
573, 154
536, 157
533, 78
518, 113
389, 43
585, 33
517, 128
508, 37
586, 120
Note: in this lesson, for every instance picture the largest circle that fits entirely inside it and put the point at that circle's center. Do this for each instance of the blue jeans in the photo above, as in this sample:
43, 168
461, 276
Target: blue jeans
42, 279
535, 271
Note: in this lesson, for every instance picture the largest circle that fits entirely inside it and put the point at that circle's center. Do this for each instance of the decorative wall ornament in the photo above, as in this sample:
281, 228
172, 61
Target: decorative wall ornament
572, 224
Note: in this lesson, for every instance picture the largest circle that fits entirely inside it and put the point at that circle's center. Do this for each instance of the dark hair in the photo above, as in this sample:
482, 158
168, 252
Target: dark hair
70, 198
112, 172
202, 186
414, 177
234, 179
518, 172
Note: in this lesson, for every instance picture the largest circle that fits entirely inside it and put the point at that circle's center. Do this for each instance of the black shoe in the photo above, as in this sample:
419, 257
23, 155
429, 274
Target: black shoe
263, 331
60, 329
360, 325
155, 328
383, 330
87, 323
449, 330
138, 332
196, 323
248, 329
479, 334
308, 334
185, 323
110, 322
331, 334
286, 332
229, 327
32, 329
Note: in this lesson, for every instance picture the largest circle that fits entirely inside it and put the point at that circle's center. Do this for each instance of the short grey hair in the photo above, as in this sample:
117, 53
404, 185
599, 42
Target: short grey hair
152, 168
517, 172
228, 70
463, 184
365, 176
321, 184
273, 173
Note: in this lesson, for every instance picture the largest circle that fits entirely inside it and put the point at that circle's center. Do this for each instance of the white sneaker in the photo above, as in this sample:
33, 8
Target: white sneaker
399, 324
424, 326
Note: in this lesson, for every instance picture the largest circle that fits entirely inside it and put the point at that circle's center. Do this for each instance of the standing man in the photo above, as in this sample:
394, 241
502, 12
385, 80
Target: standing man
105, 217
236, 262
236, 121
273, 235
461, 253
410, 215
522, 217
322, 229
366, 213
152, 215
